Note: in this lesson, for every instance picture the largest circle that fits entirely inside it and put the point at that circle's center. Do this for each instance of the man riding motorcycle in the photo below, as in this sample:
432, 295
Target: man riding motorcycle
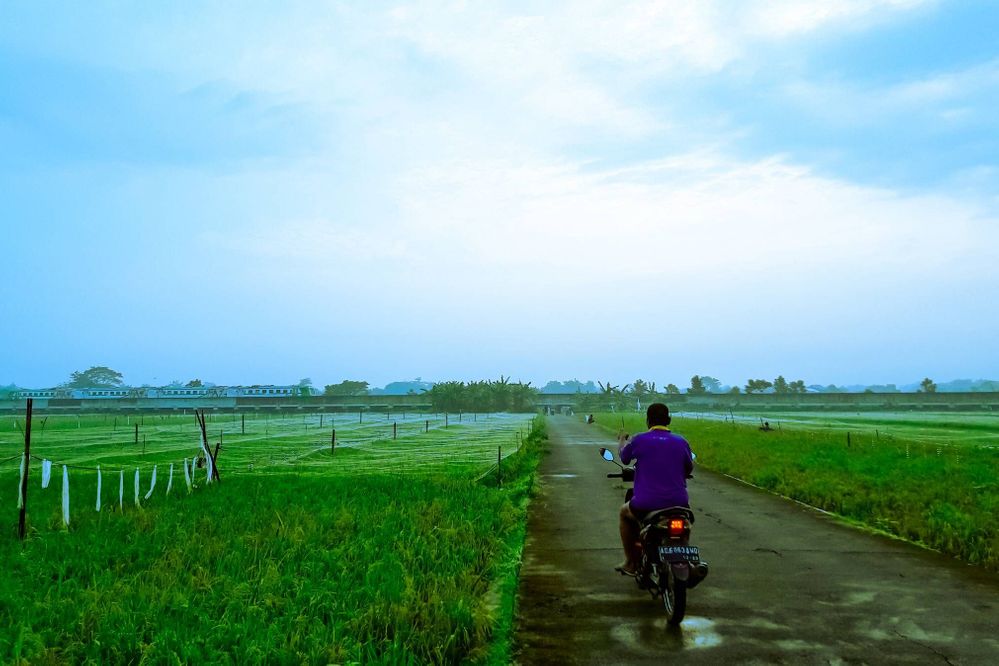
665, 462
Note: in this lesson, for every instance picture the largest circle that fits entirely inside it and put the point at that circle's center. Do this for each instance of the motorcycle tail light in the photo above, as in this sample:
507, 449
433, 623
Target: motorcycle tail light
676, 525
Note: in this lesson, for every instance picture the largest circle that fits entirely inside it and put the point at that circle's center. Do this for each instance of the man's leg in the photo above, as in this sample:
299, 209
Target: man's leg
629, 538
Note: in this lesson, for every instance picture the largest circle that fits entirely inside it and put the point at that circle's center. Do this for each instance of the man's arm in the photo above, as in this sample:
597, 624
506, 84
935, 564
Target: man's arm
688, 463
624, 448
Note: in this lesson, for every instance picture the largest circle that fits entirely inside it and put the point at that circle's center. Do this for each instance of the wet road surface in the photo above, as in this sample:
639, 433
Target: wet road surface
787, 584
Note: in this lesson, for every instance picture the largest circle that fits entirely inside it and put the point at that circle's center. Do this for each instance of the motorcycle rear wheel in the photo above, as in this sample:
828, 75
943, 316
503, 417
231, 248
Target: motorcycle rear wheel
674, 594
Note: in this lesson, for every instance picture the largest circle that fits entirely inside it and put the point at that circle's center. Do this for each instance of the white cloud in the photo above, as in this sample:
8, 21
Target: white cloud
782, 18
953, 98
686, 216
477, 223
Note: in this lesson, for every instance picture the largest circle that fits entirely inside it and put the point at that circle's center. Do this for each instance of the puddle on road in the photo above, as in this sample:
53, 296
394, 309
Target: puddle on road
697, 632
693, 634
560, 476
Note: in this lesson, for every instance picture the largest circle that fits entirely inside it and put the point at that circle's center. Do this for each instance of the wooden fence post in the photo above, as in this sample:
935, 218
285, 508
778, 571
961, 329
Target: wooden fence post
208, 451
333, 441
426, 428
395, 430
499, 466
27, 466
243, 424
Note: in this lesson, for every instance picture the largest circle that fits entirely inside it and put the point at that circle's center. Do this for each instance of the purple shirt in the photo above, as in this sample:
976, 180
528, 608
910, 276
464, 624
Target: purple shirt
664, 461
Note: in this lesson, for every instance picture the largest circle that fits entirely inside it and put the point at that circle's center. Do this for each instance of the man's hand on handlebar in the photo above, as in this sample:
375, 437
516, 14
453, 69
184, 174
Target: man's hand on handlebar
622, 439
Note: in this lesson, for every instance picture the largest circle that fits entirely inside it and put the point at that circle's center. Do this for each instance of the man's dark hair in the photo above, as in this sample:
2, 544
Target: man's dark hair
657, 415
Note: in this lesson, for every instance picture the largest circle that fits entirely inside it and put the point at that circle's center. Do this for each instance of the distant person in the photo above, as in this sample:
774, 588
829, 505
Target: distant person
766, 426
663, 463
589, 418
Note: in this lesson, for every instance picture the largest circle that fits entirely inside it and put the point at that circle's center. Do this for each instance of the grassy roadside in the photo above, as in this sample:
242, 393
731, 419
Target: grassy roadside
519, 479
280, 568
944, 497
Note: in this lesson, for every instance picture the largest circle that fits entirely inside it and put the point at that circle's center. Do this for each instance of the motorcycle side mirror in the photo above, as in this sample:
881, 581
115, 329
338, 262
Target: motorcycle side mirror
607, 455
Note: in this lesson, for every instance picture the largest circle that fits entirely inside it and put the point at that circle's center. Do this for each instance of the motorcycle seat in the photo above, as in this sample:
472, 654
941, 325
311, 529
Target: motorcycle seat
653, 517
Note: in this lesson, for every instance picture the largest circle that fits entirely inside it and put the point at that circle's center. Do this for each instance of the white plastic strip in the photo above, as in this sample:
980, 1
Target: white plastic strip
98, 487
20, 486
65, 495
187, 475
121, 491
170, 480
137, 488
152, 484
46, 473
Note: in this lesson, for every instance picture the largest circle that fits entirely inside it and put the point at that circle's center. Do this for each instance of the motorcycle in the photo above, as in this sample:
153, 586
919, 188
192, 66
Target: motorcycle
670, 566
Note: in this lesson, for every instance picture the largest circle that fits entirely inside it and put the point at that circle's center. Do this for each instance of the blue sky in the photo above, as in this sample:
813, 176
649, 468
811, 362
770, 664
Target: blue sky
457, 190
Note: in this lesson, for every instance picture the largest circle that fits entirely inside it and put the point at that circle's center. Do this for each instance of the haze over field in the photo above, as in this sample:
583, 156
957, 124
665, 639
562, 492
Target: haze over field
387, 190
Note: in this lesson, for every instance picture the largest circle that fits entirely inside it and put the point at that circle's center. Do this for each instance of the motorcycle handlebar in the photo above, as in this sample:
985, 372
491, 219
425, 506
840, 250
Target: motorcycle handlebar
615, 476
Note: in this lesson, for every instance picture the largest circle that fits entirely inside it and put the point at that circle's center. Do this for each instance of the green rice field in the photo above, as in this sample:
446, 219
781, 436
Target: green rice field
974, 428
928, 478
267, 443
383, 550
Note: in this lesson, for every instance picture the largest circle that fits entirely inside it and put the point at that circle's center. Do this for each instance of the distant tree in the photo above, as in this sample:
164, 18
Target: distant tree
672, 389
482, 396
734, 390
697, 386
194, 383
754, 385
832, 388
883, 388
522, 396
569, 386
97, 376
499, 394
447, 396
413, 387
639, 388
797, 386
927, 386
711, 385
609, 390
780, 384
304, 387
347, 387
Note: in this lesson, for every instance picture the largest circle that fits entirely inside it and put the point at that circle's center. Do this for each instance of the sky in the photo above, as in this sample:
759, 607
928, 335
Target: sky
262, 192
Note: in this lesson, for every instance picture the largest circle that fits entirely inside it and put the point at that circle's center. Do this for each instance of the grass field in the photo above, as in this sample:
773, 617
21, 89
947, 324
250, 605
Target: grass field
386, 551
933, 479
978, 428
269, 443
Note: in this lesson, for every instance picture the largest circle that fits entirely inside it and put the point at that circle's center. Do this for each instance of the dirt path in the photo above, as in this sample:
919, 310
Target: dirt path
787, 584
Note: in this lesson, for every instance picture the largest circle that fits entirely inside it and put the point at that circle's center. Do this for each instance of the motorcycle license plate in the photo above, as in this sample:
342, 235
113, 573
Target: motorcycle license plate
679, 553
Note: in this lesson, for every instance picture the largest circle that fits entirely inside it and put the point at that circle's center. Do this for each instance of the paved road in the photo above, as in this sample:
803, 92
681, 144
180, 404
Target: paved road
787, 584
